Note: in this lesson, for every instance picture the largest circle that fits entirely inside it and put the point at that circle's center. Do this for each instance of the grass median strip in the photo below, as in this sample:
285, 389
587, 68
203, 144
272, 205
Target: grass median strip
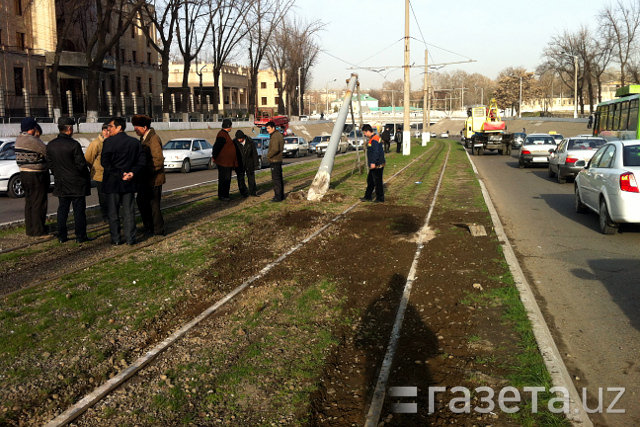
62, 339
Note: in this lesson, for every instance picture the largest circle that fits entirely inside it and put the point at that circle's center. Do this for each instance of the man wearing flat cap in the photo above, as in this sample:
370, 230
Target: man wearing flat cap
31, 158
73, 183
248, 164
151, 178
225, 157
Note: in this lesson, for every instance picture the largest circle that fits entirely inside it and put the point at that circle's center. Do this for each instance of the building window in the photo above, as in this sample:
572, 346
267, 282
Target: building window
1, 44
150, 86
20, 40
18, 80
122, 55
277, 100
139, 85
276, 85
126, 89
134, 56
149, 58
133, 31
18, 6
263, 85
40, 81
264, 100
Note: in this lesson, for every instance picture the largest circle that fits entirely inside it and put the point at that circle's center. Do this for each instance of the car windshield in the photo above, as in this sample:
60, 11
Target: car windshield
540, 140
316, 139
585, 144
8, 154
631, 155
291, 140
177, 144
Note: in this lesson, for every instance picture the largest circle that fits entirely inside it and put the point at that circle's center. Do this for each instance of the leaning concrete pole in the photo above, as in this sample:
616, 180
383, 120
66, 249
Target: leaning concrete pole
426, 135
406, 127
320, 183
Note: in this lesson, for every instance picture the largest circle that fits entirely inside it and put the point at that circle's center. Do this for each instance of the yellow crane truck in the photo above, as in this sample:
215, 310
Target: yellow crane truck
484, 130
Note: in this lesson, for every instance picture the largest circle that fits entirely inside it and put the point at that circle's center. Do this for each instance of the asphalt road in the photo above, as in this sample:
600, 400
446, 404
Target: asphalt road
13, 209
588, 284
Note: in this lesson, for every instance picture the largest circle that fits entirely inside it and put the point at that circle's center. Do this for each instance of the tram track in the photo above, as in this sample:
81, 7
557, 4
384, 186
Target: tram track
428, 158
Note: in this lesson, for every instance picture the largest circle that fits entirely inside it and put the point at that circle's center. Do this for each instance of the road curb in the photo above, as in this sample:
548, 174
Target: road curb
547, 346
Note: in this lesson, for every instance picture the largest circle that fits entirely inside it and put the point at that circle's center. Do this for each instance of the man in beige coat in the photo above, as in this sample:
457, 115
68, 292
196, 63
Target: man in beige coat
92, 156
152, 178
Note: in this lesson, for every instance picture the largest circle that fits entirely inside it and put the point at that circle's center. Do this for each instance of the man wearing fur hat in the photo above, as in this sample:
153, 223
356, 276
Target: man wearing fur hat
93, 156
31, 158
151, 180
249, 155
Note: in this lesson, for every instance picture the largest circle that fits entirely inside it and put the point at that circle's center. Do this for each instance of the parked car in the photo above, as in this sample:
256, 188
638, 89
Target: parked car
444, 134
6, 144
608, 185
262, 146
535, 149
321, 147
562, 160
295, 146
518, 139
187, 153
10, 181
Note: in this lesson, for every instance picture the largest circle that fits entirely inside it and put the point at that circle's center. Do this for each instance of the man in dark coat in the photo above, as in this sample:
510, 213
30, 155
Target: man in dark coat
375, 161
225, 157
34, 173
71, 174
152, 177
398, 139
248, 164
122, 160
385, 136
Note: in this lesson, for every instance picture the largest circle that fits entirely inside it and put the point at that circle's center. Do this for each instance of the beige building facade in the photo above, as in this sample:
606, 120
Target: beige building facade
130, 78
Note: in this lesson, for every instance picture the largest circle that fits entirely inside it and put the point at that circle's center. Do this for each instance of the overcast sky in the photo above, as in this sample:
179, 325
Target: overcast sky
370, 33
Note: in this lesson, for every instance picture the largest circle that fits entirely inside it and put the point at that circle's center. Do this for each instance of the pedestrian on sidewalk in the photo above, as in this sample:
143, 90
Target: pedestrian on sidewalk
248, 164
274, 155
398, 139
31, 155
93, 156
122, 160
151, 178
225, 157
375, 160
72, 178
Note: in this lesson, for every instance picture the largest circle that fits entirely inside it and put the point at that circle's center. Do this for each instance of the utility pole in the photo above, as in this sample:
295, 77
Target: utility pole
520, 100
426, 136
406, 130
575, 87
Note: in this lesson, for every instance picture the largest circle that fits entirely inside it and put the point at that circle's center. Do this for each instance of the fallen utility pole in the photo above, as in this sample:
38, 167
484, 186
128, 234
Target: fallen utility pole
320, 183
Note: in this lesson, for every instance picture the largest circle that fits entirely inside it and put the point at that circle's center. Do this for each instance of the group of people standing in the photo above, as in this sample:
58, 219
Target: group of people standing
120, 164
127, 171
241, 155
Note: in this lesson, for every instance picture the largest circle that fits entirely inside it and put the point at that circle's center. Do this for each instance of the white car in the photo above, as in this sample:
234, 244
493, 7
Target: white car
535, 149
608, 185
444, 135
10, 180
323, 144
187, 153
562, 160
295, 146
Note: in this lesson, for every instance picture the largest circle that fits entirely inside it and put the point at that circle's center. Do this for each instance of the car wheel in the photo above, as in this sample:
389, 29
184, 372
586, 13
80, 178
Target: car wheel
580, 207
260, 162
521, 164
606, 225
211, 164
186, 166
15, 189
551, 173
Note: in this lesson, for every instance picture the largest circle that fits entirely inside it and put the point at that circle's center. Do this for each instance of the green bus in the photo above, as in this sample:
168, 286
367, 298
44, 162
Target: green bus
618, 119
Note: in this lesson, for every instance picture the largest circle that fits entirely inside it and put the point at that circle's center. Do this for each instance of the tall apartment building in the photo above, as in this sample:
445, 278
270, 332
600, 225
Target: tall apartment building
29, 33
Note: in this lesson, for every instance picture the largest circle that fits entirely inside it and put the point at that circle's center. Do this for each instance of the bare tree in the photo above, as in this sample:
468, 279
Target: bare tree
160, 18
508, 87
191, 32
229, 27
102, 39
561, 54
621, 21
264, 16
